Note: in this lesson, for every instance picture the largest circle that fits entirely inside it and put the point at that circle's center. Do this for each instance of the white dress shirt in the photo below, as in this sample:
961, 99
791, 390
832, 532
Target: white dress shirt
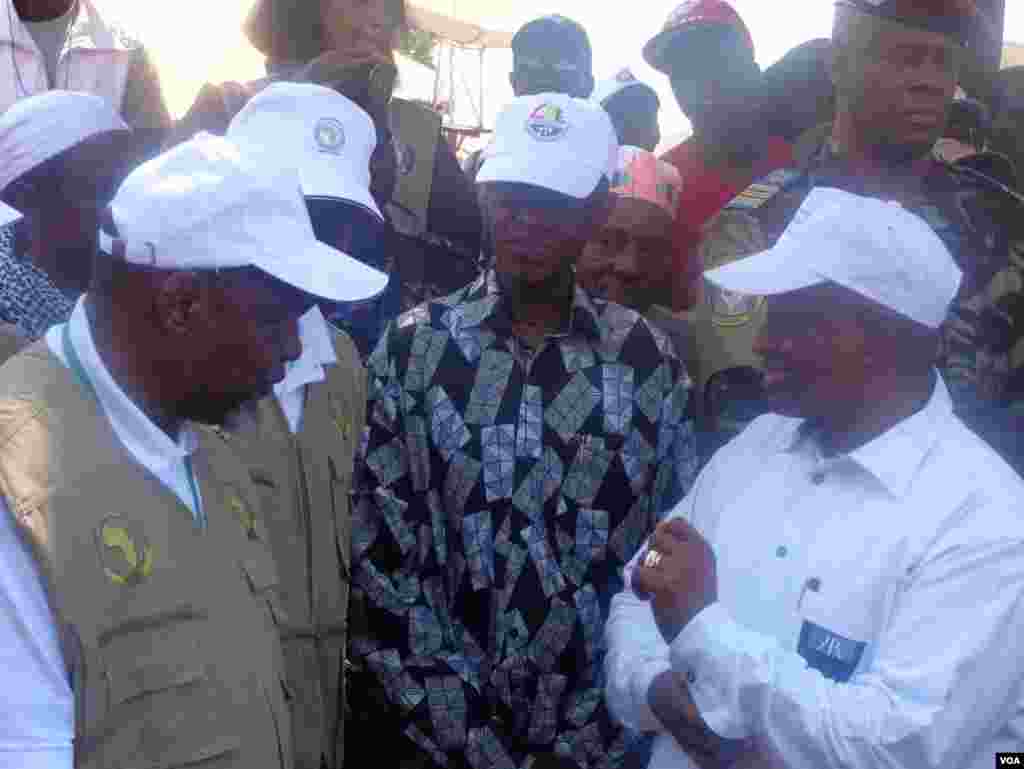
317, 352
870, 606
37, 715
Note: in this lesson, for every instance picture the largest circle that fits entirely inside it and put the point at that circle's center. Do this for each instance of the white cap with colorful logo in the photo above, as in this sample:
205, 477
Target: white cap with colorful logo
552, 141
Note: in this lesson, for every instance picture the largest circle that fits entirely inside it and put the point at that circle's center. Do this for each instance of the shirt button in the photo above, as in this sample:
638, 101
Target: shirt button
814, 584
781, 551
818, 477
691, 677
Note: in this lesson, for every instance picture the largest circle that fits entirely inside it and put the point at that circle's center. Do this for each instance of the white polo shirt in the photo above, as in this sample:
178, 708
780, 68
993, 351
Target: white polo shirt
870, 606
37, 715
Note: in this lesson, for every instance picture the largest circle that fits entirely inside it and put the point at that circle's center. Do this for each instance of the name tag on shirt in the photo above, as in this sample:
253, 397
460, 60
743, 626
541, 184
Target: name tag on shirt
832, 655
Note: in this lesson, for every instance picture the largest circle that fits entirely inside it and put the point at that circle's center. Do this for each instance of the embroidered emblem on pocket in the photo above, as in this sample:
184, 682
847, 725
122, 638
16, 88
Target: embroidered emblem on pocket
125, 553
832, 655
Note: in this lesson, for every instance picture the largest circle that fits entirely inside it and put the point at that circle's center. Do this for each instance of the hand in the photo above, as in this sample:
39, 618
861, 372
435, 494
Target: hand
367, 77
682, 582
670, 701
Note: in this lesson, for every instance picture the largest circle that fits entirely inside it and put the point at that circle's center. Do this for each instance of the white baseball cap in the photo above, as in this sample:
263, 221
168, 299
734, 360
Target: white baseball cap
327, 137
40, 127
873, 247
623, 79
9, 215
552, 141
207, 205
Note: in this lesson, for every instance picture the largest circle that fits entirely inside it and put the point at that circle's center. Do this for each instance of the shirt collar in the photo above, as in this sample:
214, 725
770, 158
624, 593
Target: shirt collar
895, 456
150, 445
317, 352
486, 294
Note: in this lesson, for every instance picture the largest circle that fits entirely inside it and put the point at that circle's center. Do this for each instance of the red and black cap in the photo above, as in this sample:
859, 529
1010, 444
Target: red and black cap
955, 19
689, 16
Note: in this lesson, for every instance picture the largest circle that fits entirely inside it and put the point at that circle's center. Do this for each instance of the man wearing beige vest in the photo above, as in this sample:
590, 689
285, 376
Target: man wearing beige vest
300, 445
139, 593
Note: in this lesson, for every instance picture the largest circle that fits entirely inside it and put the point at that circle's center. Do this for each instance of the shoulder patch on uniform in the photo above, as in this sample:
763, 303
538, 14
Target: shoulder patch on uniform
763, 190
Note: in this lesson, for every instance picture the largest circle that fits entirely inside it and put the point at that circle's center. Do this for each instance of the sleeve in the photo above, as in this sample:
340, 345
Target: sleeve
423, 658
37, 728
922, 701
637, 653
677, 446
143, 106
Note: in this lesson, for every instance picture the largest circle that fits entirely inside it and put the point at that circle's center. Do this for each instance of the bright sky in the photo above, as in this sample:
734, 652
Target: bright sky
199, 40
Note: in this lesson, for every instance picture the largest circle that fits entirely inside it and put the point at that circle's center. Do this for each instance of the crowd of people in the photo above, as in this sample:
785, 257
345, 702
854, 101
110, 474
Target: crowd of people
604, 459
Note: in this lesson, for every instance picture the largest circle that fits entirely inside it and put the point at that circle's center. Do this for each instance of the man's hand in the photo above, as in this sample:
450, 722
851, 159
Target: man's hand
678, 576
670, 701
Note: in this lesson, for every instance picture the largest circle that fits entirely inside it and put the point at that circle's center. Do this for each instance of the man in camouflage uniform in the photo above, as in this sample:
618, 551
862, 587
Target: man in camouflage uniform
896, 68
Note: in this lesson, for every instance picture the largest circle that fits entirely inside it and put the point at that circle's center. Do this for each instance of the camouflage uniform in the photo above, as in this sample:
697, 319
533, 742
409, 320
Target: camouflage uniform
982, 342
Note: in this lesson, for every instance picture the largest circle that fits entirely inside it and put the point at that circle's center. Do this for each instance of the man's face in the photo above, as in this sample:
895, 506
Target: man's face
634, 113
629, 260
250, 333
712, 72
899, 87
549, 72
813, 351
63, 199
536, 239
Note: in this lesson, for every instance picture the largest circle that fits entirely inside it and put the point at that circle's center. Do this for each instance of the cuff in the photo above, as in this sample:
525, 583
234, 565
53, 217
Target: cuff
703, 652
640, 687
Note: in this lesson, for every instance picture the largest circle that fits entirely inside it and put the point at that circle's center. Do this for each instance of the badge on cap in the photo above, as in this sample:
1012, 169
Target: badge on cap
329, 135
547, 123
126, 555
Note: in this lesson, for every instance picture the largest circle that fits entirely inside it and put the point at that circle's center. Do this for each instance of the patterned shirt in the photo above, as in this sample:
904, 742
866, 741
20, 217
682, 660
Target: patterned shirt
28, 298
502, 490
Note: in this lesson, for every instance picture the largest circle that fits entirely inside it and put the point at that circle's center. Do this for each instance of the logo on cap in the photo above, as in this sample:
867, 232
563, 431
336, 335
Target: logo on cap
329, 135
547, 123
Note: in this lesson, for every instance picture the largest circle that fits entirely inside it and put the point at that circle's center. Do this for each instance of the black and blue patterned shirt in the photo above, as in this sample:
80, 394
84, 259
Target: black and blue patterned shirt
28, 298
501, 491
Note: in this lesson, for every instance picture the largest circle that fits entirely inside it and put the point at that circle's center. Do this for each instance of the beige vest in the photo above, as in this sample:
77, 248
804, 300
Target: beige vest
305, 482
168, 631
96, 58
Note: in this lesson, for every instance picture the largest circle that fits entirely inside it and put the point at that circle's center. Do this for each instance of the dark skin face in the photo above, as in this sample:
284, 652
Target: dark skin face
902, 88
712, 73
634, 113
629, 262
813, 351
536, 244
236, 334
363, 27
62, 200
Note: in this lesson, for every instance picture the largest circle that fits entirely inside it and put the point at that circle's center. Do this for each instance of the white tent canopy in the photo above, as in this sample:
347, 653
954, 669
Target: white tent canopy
457, 31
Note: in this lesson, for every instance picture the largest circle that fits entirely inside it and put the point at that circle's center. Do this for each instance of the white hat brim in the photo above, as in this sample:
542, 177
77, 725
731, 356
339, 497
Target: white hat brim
775, 271
327, 273
577, 182
9, 215
324, 181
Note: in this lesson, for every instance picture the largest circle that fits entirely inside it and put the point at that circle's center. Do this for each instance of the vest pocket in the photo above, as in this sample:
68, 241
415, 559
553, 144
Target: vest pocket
219, 753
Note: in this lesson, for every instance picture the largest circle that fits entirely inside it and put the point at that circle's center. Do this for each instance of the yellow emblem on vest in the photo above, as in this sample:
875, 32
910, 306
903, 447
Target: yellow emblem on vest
730, 309
245, 515
125, 553
341, 420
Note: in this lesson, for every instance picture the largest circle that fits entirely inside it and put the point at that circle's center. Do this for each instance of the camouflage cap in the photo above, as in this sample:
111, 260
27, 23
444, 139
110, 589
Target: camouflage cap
952, 18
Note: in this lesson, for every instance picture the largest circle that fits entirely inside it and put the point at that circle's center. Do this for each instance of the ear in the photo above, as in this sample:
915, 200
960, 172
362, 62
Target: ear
588, 86
512, 81
183, 303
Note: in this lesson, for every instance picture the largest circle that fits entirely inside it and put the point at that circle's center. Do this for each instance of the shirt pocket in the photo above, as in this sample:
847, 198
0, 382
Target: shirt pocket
835, 630
162, 703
